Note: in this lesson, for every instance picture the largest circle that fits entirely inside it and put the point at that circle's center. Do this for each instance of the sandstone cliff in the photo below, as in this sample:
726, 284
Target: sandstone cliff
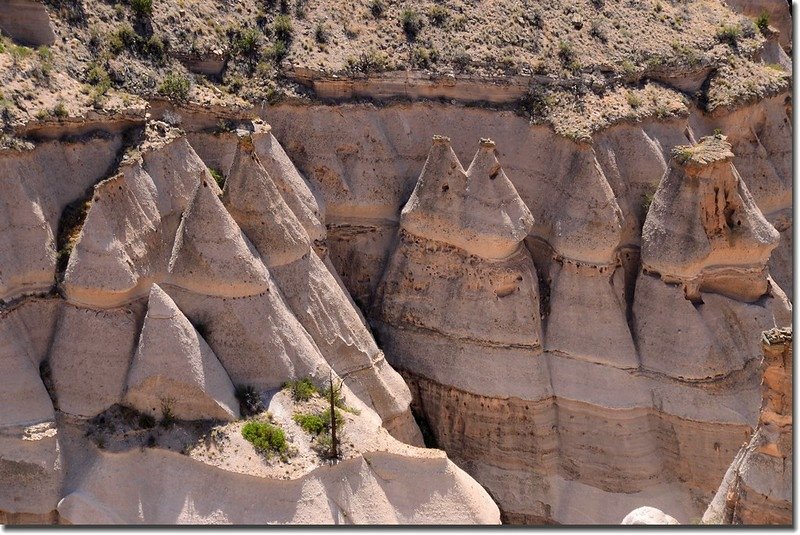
757, 488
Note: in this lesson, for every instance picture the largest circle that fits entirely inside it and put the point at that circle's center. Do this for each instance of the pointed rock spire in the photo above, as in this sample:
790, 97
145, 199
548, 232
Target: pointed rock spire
258, 207
211, 255
499, 215
290, 183
173, 366
117, 245
703, 220
479, 210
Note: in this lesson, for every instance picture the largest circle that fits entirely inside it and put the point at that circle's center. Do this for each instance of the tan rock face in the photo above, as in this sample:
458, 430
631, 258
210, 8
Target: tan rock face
445, 269
572, 384
27, 22
757, 489
215, 317
723, 243
478, 210
174, 368
323, 308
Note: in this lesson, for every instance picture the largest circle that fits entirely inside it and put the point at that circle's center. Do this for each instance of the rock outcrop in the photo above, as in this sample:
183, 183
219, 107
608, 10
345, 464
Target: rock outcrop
174, 369
168, 310
757, 489
27, 22
323, 308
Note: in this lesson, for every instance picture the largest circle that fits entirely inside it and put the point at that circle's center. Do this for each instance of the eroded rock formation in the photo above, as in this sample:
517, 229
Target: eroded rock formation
168, 308
563, 427
757, 489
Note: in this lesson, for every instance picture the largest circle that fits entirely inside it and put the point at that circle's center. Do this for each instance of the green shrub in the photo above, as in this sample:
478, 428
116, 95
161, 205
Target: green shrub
45, 59
634, 100
311, 423
411, 23
438, 15
301, 389
319, 422
219, 178
60, 111
367, 63
423, 57
682, 154
154, 47
167, 414
142, 8
729, 33
377, 8
762, 22
246, 42
124, 38
175, 87
283, 28
19, 53
265, 438
565, 52
277, 51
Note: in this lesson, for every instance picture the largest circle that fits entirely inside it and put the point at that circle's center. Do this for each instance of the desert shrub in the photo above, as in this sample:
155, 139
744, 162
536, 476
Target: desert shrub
423, 57
142, 8
411, 23
367, 62
565, 52
283, 28
301, 389
124, 38
246, 42
146, 421
175, 87
634, 100
98, 77
19, 53
167, 414
313, 424
45, 60
377, 8
598, 31
321, 34
438, 15
59, 110
155, 48
248, 397
729, 33
265, 438
318, 424
682, 154
277, 51
762, 22
647, 200
461, 60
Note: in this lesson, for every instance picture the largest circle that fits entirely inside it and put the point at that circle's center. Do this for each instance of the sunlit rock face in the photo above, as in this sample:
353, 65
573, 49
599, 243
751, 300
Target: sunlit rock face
177, 296
757, 488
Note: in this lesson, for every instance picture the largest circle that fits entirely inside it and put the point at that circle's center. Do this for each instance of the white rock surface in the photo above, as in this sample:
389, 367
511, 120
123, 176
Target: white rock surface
174, 366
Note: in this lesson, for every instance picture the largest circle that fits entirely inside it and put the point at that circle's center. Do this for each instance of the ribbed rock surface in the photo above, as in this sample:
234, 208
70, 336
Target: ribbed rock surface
757, 489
